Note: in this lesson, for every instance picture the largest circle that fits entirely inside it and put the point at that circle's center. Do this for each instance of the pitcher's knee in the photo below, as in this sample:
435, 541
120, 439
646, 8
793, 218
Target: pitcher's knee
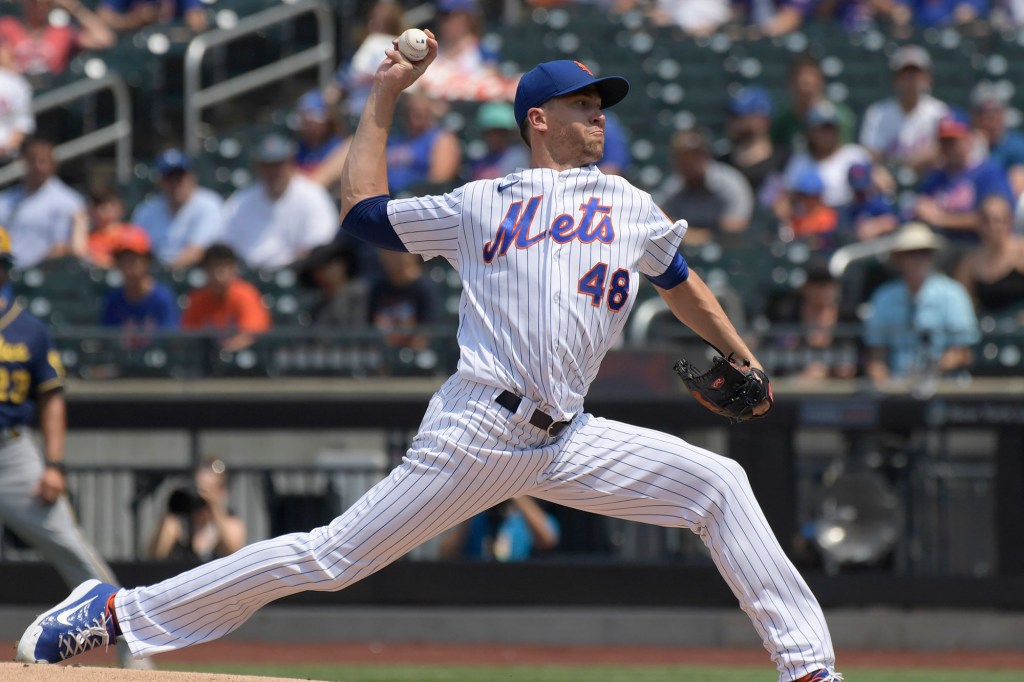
730, 480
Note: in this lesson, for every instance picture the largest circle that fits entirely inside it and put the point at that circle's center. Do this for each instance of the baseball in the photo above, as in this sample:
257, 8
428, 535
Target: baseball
413, 44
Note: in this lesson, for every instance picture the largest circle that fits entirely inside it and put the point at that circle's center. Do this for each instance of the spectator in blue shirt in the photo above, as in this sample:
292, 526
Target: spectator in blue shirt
922, 323
184, 218
617, 156
773, 18
319, 134
869, 214
512, 531
1005, 146
131, 15
941, 13
141, 304
951, 195
422, 152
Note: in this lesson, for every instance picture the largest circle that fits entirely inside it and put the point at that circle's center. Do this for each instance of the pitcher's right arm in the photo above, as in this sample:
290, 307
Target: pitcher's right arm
365, 173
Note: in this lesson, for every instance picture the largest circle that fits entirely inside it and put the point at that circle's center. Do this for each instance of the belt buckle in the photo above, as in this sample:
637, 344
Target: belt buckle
555, 429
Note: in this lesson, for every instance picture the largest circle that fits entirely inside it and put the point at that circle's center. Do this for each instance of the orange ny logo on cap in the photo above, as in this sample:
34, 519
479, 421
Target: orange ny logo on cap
584, 67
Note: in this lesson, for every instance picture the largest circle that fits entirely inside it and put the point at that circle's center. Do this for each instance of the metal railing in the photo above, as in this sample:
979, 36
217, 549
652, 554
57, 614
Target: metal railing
198, 98
118, 133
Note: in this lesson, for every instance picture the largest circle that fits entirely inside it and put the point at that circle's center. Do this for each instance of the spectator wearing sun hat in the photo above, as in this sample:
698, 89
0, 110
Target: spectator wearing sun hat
278, 219
952, 194
141, 303
500, 134
922, 321
183, 218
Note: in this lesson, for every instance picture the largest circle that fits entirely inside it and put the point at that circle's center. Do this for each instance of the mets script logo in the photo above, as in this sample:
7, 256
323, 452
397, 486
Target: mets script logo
595, 225
584, 67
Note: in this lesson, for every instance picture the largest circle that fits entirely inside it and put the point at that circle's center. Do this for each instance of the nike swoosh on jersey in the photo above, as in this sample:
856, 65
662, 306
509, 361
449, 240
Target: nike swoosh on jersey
64, 616
502, 188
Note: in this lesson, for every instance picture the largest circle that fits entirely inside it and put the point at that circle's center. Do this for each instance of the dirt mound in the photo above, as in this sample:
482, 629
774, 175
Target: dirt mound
21, 672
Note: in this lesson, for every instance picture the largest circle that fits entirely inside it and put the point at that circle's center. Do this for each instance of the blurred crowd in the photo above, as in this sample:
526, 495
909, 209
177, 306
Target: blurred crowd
935, 259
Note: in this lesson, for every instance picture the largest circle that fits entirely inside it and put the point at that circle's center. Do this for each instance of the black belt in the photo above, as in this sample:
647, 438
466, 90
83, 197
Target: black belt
510, 401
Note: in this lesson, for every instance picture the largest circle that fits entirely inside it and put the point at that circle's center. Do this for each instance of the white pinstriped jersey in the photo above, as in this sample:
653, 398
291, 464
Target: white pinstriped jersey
549, 263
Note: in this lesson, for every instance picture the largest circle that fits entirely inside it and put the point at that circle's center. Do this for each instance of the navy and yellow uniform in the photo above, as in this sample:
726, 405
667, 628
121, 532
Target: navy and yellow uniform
29, 365
30, 369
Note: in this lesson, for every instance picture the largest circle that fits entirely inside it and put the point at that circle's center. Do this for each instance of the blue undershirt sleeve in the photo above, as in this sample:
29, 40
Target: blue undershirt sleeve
368, 220
677, 272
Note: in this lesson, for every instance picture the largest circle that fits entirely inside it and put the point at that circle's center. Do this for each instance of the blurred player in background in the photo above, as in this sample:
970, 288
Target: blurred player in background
33, 500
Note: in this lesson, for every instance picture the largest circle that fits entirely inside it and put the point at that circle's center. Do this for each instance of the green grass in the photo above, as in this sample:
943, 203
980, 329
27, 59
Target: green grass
377, 673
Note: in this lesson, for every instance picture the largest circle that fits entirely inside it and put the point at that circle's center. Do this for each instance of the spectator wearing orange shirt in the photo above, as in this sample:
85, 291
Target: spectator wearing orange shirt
809, 217
107, 229
227, 303
41, 48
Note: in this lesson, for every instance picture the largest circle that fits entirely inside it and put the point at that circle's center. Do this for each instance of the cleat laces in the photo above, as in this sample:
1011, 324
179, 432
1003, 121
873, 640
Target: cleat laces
89, 636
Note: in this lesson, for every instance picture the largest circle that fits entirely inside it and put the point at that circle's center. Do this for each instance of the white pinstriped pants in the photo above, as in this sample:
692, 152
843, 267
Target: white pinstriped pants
469, 455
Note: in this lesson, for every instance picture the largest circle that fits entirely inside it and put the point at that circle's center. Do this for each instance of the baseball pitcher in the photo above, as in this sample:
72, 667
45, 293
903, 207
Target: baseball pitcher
550, 260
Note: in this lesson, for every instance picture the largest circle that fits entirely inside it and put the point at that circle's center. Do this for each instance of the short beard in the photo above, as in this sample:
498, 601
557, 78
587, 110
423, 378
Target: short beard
577, 153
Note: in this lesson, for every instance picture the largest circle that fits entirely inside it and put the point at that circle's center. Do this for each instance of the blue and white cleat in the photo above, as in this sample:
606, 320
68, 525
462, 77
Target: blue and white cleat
74, 626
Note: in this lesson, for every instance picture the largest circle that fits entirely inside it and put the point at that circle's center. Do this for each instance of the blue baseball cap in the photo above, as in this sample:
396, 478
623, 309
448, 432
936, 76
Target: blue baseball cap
808, 182
554, 79
313, 105
172, 160
752, 100
457, 6
859, 177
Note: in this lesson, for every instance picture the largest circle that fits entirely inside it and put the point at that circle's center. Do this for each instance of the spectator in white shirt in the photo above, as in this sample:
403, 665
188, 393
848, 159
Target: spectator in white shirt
901, 129
184, 218
16, 118
45, 218
827, 155
280, 218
